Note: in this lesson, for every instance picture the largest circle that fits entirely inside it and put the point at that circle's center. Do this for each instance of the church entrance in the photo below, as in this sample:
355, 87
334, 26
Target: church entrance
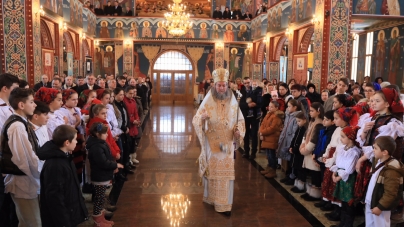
173, 79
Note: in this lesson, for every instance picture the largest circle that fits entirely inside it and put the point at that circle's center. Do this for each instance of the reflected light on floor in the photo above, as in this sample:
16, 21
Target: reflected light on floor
175, 206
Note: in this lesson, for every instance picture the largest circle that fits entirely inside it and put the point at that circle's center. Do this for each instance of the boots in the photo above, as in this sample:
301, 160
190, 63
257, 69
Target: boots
107, 215
266, 170
271, 174
99, 221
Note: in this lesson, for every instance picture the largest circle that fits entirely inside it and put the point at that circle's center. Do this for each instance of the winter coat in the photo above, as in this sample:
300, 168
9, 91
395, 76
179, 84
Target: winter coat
266, 99
297, 160
288, 131
305, 105
102, 163
61, 203
131, 107
324, 139
309, 143
110, 139
256, 97
271, 128
388, 190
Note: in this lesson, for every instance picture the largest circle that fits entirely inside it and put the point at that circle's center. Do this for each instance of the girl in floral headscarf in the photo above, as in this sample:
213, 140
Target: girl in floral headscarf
385, 120
86, 100
344, 173
53, 98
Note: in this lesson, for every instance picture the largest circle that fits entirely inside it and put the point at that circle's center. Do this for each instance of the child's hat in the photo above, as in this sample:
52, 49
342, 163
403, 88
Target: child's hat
46, 95
350, 132
349, 115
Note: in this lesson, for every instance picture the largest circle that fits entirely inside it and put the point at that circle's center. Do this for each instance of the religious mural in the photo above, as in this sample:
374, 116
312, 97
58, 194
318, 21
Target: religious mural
73, 12
381, 7
388, 55
360, 70
108, 58
258, 25
294, 11
55, 6
89, 22
152, 28
239, 62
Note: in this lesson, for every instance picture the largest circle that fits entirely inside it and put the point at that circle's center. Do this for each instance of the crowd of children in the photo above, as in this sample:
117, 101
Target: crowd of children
352, 152
46, 138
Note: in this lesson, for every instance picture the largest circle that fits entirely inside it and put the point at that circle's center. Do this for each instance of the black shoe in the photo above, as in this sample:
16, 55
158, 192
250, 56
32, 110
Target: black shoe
278, 166
284, 180
304, 196
132, 166
247, 156
335, 215
327, 207
128, 170
297, 190
311, 198
226, 213
110, 208
290, 182
252, 157
320, 204
108, 215
120, 176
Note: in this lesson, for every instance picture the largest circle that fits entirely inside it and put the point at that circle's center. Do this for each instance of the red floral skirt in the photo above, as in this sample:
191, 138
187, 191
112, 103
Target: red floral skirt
328, 186
362, 181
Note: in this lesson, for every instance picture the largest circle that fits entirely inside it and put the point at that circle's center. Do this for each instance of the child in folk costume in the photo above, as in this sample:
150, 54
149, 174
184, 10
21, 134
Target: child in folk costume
73, 114
53, 98
285, 139
342, 117
385, 120
347, 153
386, 184
297, 158
309, 142
86, 100
269, 134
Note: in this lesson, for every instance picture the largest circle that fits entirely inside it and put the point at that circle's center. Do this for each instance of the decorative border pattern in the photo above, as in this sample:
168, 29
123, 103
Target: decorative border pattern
219, 56
36, 43
15, 37
318, 47
127, 58
339, 33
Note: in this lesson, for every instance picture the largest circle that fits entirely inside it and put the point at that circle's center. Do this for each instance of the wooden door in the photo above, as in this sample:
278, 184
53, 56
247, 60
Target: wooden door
172, 87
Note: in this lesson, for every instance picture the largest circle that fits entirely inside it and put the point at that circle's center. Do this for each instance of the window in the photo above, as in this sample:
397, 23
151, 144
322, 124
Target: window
173, 60
369, 50
354, 68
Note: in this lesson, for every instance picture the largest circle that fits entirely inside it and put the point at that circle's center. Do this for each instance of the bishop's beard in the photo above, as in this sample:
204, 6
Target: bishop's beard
221, 96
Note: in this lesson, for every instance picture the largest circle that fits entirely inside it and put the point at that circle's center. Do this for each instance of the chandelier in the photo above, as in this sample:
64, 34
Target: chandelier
176, 22
175, 206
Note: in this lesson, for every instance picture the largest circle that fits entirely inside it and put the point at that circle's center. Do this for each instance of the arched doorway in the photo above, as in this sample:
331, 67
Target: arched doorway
173, 75
48, 51
68, 54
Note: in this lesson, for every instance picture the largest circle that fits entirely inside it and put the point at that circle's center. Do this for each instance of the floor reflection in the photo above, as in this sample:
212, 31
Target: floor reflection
175, 206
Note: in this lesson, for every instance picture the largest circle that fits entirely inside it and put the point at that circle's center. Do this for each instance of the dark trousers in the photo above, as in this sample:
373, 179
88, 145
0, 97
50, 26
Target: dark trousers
251, 131
8, 215
272, 159
126, 144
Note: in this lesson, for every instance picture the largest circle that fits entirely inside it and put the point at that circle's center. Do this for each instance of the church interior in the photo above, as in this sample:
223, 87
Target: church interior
314, 41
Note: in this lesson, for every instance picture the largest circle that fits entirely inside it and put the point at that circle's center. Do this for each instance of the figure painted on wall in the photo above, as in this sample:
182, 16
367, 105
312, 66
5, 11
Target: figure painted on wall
274, 20
366, 7
242, 34
104, 32
97, 61
247, 6
161, 32
309, 8
234, 66
236, 4
215, 32
119, 30
380, 54
258, 28
60, 8
146, 31
203, 33
246, 63
300, 10
78, 14
72, 11
390, 7
109, 61
190, 34
133, 30
209, 64
394, 56
279, 20
293, 12
228, 34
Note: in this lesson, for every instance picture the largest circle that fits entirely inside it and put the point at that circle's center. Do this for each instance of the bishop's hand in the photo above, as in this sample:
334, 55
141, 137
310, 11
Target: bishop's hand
204, 115
237, 134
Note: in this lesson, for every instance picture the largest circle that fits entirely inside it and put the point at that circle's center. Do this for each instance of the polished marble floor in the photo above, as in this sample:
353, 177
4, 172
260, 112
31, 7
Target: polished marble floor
168, 153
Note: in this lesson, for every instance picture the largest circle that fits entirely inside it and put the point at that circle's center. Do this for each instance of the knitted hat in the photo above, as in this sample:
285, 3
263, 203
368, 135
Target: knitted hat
46, 95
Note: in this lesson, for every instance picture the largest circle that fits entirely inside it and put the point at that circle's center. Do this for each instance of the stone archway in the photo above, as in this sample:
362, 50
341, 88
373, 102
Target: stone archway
305, 41
47, 50
261, 52
46, 37
278, 47
69, 44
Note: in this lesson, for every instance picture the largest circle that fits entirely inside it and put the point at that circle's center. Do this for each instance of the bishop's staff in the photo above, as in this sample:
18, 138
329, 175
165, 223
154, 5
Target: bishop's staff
239, 95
